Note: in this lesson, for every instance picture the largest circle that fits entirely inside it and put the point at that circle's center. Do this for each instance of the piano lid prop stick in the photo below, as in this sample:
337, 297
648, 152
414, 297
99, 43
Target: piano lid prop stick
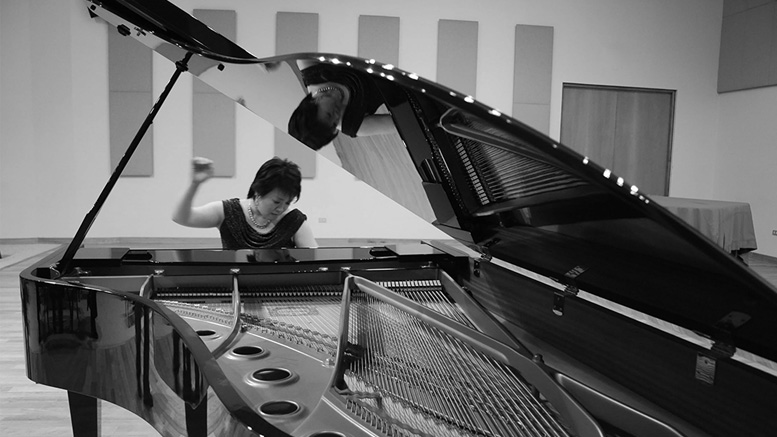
63, 265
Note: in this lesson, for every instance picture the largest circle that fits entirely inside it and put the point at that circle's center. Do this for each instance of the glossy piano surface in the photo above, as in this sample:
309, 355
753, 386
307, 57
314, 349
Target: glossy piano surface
254, 343
571, 305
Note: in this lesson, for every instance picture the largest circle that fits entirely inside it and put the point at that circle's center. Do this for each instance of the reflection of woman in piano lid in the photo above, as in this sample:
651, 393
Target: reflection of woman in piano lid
262, 220
338, 99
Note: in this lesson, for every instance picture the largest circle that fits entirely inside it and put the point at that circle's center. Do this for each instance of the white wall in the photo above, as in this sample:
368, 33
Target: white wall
53, 124
747, 163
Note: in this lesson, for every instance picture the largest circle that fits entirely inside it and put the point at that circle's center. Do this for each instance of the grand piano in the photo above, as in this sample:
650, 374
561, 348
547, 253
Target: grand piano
570, 304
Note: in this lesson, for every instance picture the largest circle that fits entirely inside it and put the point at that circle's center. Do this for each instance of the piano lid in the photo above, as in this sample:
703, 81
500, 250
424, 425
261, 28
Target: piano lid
171, 24
501, 187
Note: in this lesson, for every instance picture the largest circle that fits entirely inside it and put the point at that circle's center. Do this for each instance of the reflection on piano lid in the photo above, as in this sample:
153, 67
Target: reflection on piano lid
525, 326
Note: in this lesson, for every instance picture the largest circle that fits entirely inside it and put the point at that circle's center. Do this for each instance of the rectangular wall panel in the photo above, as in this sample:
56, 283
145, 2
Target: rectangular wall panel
295, 33
748, 45
532, 74
457, 55
379, 38
731, 7
129, 102
213, 114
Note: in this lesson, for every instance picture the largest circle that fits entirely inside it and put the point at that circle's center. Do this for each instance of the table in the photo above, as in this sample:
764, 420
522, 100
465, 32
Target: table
728, 224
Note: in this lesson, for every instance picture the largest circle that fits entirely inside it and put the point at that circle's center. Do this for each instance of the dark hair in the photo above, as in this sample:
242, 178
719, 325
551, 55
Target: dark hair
305, 126
277, 173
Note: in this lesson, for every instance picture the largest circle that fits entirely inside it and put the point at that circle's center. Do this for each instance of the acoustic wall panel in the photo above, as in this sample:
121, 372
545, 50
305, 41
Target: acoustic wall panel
457, 55
129, 102
379, 38
295, 33
731, 7
532, 73
534, 115
748, 45
213, 114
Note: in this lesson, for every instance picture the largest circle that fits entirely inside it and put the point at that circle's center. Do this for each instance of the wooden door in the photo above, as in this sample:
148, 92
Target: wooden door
628, 130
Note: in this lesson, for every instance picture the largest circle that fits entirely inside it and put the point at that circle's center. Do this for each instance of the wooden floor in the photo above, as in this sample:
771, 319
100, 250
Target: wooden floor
31, 410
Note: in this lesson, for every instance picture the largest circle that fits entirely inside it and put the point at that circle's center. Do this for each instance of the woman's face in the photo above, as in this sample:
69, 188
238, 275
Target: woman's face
331, 105
273, 204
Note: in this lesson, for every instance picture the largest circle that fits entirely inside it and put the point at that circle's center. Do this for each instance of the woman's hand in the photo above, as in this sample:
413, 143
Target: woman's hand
202, 169
206, 216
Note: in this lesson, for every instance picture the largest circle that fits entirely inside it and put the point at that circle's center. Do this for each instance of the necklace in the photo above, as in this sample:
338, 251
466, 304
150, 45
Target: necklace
327, 88
253, 220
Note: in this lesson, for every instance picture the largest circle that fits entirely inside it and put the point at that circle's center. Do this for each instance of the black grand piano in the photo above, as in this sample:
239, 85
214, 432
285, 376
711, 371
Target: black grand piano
570, 304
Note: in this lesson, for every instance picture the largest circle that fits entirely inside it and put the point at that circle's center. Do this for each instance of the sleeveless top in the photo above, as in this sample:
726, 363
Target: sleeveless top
236, 233
365, 98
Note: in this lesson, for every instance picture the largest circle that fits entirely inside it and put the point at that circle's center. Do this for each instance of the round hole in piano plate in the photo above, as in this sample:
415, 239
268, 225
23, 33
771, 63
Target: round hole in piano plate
279, 408
207, 333
247, 352
271, 374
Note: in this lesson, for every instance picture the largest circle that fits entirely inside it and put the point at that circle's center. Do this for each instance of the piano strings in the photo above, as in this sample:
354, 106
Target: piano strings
422, 381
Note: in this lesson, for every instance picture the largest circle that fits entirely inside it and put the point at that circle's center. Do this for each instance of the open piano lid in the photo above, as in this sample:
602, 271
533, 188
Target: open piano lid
501, 187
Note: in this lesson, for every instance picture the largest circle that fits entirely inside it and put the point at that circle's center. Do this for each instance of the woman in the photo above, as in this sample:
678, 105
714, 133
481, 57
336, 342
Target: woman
338, 99
260, 221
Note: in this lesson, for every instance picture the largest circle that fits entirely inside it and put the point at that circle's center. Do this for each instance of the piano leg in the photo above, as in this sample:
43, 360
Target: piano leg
84, 415
197, 419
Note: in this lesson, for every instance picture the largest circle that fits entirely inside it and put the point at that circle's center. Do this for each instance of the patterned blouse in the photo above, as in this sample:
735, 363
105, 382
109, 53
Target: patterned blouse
236, 233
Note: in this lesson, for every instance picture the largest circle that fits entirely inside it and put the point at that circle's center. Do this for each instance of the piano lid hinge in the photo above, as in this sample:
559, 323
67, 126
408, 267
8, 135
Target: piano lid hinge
559, 296
485, 249
722, 349
485, 256
723, 346
706, 362
731, 321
